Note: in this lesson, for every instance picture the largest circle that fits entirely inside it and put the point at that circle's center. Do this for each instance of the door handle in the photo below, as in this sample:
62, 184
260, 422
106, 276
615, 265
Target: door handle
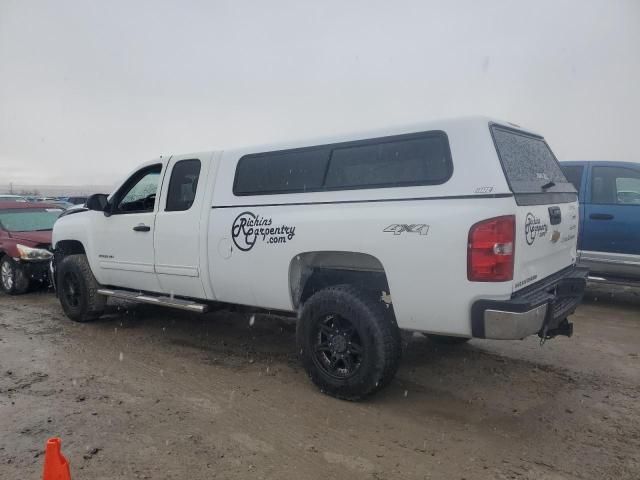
601, 216
142, 228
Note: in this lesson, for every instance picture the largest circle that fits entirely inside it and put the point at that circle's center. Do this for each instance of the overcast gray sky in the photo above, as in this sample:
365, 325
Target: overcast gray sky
89, 89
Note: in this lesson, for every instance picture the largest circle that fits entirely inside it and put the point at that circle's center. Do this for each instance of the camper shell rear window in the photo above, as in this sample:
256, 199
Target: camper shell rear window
530, 167
397, 161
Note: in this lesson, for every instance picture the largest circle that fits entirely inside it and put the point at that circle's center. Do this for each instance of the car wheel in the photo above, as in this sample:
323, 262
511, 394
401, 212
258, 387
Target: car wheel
447, 340
13, 278
78, 289
349, 342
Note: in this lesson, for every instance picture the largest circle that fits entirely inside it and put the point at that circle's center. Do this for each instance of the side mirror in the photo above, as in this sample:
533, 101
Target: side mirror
97, 201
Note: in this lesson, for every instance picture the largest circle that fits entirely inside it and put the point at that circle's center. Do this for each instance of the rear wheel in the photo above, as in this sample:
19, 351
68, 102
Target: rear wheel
78, 289
349, 342
447, 340
13, 278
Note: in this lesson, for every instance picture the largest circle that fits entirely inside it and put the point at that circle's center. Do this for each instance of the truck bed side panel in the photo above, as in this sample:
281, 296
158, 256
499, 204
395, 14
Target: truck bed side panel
426, 264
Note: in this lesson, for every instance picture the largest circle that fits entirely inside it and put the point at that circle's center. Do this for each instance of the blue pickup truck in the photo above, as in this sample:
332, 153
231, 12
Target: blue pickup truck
609, 231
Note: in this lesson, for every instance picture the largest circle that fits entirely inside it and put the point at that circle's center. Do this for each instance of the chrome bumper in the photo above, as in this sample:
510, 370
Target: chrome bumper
501, 325
540, 309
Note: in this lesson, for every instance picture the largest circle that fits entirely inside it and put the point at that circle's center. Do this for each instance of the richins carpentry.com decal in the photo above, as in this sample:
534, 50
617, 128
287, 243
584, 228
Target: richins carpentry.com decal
248, 229
534, 228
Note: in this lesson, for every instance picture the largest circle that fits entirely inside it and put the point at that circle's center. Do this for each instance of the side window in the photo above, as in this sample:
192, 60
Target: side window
402, 160
281, 172
183, 185
615, 185
139, 193
421, 161
573, 174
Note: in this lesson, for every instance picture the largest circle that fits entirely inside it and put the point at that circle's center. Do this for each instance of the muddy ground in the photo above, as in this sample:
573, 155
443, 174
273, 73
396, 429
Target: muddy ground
151, 393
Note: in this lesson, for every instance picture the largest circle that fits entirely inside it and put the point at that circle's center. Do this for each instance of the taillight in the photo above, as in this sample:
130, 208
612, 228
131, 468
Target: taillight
491, 250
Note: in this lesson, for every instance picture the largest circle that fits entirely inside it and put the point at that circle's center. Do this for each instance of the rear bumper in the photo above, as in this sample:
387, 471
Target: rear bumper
540, 309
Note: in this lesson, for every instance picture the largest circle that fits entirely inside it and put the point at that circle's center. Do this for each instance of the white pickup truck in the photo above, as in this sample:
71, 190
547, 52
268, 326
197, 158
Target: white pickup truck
458, 229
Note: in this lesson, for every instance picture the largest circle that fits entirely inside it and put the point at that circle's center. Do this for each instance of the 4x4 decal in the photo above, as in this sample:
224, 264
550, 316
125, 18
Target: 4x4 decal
398, 228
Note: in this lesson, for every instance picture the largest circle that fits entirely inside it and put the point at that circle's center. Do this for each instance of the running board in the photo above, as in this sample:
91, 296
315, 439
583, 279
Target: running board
188, 305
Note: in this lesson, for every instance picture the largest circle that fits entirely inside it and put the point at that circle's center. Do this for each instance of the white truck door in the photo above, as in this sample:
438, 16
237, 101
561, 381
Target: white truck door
123, 238
178, 226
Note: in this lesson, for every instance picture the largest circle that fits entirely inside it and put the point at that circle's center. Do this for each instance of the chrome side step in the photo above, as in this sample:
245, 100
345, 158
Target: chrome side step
188, 305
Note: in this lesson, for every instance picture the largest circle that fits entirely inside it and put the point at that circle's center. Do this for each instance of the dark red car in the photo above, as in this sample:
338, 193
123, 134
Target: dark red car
25, 244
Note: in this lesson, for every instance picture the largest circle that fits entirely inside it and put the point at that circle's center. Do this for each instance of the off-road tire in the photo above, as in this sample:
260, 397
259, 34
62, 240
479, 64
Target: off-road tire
447, 340
377, 329
88, 305
18, 283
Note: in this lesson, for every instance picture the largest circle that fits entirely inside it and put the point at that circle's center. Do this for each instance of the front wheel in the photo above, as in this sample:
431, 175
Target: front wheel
348, 341
13, 278
78, 289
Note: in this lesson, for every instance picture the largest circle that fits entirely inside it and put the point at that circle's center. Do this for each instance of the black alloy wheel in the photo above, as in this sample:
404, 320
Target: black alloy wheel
338, 347
71, 289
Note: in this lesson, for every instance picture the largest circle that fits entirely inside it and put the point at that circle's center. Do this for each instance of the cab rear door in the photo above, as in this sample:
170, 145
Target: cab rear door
179, 224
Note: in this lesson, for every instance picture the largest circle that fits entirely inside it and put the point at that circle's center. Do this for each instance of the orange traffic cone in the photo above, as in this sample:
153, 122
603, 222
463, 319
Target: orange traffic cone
56, 466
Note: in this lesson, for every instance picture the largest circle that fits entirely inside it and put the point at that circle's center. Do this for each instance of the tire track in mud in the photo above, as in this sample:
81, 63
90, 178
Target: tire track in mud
280, 432
251, 413
437, 418
139, 368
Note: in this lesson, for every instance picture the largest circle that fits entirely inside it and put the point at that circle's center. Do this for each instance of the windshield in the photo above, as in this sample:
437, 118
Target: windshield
29, 220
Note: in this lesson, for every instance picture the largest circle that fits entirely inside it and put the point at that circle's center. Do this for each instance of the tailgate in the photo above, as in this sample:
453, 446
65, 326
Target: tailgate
546, 237
547, 205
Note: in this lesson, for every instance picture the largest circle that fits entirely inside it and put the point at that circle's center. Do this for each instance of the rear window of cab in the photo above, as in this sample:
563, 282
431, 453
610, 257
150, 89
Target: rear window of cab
403, 160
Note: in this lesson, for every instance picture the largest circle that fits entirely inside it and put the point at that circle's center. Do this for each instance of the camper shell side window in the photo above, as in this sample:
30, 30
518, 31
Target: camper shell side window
396, 161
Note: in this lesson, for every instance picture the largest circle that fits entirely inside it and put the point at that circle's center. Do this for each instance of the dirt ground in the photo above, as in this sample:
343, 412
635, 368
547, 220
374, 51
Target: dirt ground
152, 393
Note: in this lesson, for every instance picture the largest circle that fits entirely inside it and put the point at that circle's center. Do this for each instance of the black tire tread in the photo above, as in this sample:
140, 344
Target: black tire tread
94, 303
381, 319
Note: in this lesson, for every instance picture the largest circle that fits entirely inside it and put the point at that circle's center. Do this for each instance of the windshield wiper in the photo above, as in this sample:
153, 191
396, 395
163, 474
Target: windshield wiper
548, 185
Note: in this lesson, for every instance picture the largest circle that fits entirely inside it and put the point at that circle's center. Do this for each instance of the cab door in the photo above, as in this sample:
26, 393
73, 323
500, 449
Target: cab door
611, 240
178, 226
123, 235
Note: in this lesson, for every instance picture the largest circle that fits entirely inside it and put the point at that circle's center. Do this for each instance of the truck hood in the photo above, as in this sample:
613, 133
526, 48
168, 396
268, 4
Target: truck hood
32, 238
